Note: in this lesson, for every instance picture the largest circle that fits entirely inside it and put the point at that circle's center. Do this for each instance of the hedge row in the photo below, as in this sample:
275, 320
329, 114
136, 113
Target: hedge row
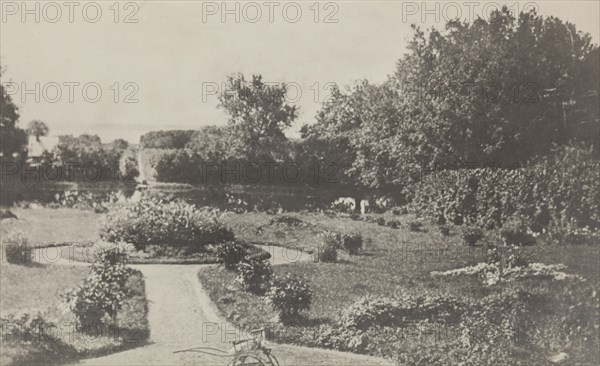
558, 192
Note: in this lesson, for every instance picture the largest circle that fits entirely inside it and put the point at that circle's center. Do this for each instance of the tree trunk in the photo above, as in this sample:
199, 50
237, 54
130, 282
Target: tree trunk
357, 201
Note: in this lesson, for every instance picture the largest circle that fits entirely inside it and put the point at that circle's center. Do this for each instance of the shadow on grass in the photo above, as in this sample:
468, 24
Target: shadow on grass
43, 352
304, 321
130, 338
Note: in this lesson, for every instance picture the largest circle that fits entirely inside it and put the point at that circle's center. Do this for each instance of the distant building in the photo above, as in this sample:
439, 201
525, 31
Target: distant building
36, 149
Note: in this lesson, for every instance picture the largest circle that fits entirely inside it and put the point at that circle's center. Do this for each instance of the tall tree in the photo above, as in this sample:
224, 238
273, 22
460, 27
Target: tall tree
350, 133
497, 91
12, 138
37, 128
492, 90
209, 143
88, 150
258, 114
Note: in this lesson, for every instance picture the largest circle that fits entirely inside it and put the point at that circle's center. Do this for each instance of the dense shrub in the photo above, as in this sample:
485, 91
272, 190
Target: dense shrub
343, 339
98, 299
174, 165
16, 248
332, 237
394, 224
327, 251
342, 206
100, 202
472, 235
288, 295
516, 232
254, 275
157, 221
171, 139
556, 193
101, 160
578, 321
352, 243
516, 326
230, 253
128, 164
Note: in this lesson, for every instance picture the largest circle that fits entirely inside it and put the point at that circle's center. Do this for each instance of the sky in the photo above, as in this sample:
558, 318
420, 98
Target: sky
121, 69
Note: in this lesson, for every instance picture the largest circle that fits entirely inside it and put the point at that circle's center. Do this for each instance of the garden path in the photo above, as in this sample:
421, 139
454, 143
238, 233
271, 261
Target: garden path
181, 316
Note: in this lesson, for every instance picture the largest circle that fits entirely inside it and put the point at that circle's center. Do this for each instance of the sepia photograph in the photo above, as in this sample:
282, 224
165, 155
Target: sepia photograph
300, 183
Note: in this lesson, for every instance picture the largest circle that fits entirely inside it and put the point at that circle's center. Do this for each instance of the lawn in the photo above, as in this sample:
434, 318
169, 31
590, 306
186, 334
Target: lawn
46, 226
37, 288
33, 289
393, 262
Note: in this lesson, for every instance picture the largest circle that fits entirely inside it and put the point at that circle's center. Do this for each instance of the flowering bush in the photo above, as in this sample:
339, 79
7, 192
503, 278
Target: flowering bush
288, 295
513, 325
381, 311
101, 295
507, 264
254, 275
472, 235
350, 242
99, 202
342, 339
158, 221
327, 252
493, 273
16, 248
230, 253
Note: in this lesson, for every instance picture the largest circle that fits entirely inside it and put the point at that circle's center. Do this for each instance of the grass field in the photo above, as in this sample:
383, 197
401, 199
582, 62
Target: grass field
393, 262
38, 288
46, 226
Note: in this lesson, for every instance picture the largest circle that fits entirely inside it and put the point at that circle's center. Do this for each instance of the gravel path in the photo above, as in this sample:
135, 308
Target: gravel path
181, 315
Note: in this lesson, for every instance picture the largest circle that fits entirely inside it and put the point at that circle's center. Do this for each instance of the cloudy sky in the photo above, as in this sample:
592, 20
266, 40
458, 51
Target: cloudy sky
158, 64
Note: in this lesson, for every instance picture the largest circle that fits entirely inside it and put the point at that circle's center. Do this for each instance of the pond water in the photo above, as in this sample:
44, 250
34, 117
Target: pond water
242, 198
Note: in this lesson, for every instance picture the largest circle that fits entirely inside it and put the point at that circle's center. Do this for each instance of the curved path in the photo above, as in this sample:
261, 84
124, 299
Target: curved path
181, 315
